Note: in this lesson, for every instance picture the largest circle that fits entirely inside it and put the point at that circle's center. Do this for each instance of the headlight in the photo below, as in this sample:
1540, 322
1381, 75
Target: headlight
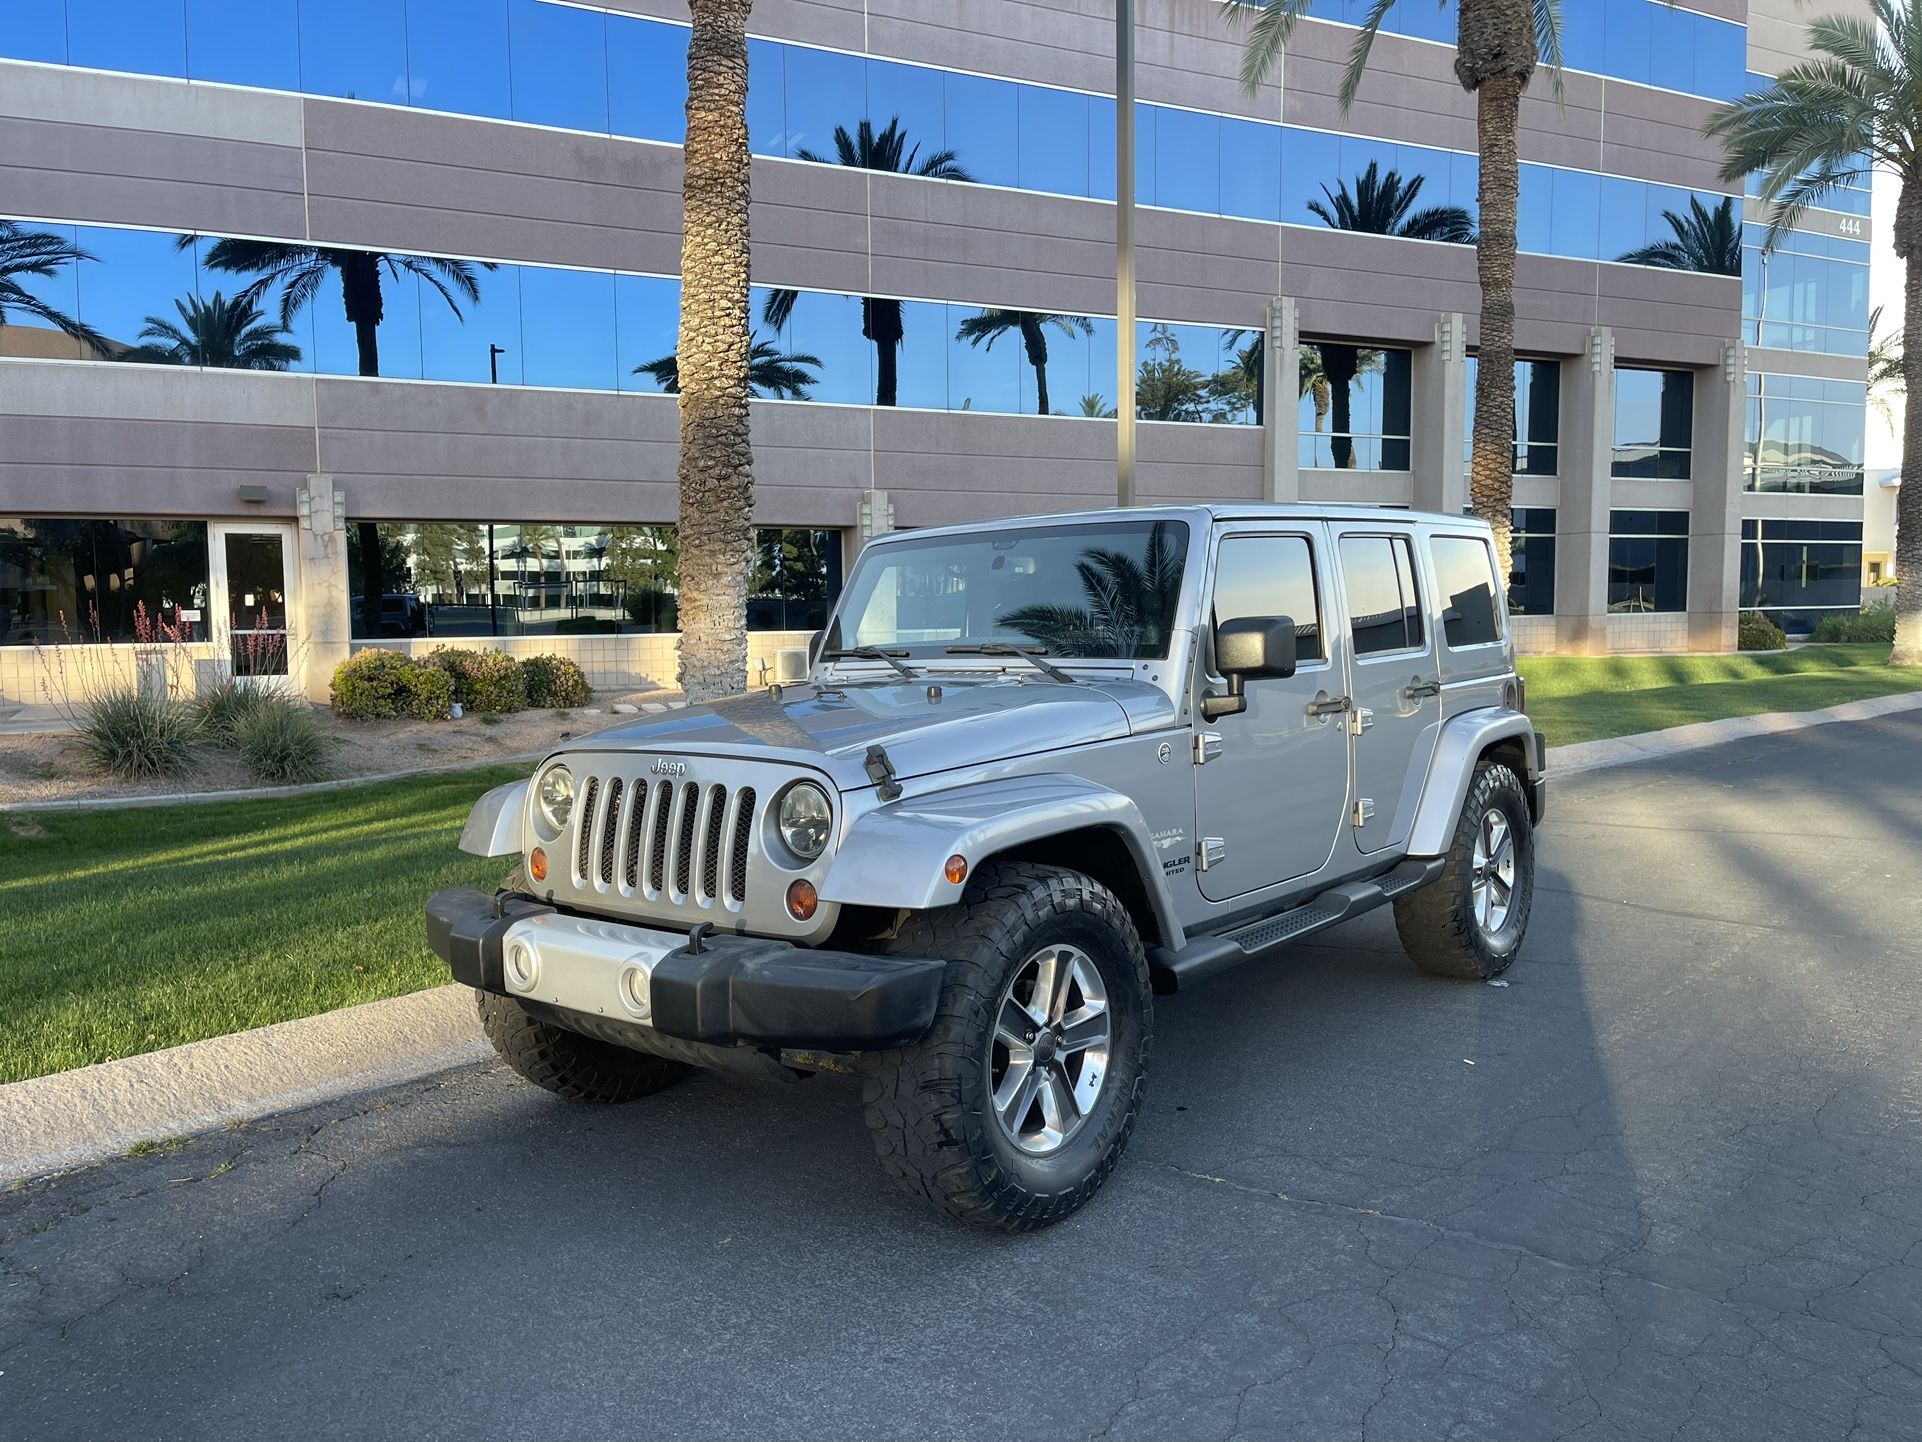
805, 819
554, 798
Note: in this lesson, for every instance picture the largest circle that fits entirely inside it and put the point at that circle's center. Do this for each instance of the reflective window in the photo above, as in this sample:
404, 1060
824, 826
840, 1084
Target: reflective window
1052, 136
1795, 570
1810, 293
245, 42
139, 277
559, 65
476, 339
1187, 161
1538, 396
1465, 578
517, 578
1384, 603
76, 581
647, 327
1654, 423
647, 84
355, 49
1266, 577
1099, 589
1190, 373
1647, 561
1354, 408
457, 57
567, 328
148, 37
1805, 434
35, 30
1531, 571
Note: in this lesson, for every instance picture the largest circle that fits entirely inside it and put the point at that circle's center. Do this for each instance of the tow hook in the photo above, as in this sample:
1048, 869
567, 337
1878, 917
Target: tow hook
697, 935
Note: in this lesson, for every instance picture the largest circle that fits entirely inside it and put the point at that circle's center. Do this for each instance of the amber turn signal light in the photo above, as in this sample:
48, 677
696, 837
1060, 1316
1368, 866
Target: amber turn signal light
957, 869
537, 864
802, 900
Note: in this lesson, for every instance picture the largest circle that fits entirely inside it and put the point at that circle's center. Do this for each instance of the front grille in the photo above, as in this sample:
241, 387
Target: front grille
664, 841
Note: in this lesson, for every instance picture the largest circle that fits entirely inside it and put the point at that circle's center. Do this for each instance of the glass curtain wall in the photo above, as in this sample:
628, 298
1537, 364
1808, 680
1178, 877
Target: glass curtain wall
1647, 561
1805, 435
100, 580
1795, 571
1355, 407
1654, 424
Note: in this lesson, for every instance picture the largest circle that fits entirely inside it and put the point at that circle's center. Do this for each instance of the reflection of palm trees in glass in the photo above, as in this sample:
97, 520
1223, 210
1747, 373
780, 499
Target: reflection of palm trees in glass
1705, 240
1314, 381
771, 374
1335, 369
1095, 406
868, 149
985, 329
231, 334
300, 270
1380, 204
1168, 388
1129, 603
40, 253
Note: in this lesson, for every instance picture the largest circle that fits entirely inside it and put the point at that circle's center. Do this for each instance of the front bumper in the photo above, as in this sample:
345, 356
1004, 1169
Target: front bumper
725, 990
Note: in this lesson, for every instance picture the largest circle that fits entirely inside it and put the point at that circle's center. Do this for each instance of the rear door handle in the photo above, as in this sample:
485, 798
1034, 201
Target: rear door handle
1421, 689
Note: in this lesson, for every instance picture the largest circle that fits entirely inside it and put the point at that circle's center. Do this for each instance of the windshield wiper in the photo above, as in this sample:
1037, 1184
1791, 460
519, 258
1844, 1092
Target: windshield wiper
1036, 656
871, 653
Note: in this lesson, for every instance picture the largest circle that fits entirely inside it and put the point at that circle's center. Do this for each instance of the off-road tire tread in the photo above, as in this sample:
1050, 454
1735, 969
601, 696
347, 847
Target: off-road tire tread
569, 1064
1436, 923
913, 1095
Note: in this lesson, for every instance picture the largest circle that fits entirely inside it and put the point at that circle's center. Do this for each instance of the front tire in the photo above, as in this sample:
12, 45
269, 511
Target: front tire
568, 1064
1018, 1103
1470, 922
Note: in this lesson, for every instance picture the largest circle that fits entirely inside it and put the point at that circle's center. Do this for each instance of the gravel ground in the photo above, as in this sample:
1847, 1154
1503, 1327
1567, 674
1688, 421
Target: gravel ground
49, 766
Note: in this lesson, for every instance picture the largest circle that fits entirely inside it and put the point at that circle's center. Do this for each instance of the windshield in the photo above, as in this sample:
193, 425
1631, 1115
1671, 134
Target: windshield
1094, 590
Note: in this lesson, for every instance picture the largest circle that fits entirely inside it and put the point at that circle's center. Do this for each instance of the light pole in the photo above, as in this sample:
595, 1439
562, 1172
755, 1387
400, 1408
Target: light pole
1124, 250
494, 354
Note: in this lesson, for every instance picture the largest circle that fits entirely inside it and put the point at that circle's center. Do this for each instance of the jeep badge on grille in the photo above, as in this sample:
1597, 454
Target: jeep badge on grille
663, 767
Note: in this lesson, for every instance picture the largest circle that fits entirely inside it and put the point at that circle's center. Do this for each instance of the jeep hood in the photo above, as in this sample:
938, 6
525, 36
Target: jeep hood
970, 722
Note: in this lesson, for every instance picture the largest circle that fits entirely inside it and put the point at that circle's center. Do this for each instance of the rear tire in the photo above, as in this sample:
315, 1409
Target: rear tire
1470, 922
1018, 1103
569, 1064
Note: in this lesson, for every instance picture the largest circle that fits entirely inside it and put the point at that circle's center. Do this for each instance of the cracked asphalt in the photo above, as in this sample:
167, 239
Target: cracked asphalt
1667, 1183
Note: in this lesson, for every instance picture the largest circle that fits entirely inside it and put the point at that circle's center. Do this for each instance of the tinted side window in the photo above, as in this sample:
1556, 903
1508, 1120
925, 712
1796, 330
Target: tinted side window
1270, 576
1465, 576
1384, 605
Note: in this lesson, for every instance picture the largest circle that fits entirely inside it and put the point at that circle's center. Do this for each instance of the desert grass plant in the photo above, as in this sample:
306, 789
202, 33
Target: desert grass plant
133, 722
282, 741
138, 735
222, 710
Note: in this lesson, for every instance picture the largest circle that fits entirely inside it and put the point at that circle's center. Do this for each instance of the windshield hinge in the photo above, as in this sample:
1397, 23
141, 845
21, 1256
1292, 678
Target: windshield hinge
881, 772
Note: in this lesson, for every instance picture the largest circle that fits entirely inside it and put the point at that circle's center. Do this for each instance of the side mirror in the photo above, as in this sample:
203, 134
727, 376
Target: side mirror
1253, 648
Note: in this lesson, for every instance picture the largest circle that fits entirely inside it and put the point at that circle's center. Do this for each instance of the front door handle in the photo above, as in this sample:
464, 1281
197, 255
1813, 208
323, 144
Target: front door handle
1421, 689
1329, 708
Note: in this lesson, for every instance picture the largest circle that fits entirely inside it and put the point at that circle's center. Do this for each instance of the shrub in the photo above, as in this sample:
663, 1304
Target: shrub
1874, 622
374, 685
135, 734
283, 741
1757, 633
554, 681
483, 680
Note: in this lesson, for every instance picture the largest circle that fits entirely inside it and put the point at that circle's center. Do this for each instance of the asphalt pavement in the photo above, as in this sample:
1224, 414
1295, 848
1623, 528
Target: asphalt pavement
1665, 1183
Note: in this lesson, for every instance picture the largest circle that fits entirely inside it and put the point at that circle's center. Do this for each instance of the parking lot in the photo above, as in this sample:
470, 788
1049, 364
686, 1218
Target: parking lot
1666, 1182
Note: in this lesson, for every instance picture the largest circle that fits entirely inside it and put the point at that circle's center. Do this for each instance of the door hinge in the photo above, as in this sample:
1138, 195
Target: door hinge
1364, 811
1360, 720
1207, 746
1212, 851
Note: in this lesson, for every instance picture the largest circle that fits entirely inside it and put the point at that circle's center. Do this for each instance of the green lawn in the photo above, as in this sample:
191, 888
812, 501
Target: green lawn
124, 931
1586, 698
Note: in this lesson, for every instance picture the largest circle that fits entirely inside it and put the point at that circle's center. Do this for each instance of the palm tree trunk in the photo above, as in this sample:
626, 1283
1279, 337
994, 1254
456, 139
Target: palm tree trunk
881, 323
1035, 342
1491, 466
717, 456
1908, 496
360, 291
1340, 363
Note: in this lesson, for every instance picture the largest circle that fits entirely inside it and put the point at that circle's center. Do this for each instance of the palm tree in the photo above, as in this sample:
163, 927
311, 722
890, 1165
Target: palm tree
1497, 46
1033, 325
771, 374
1885, 366
41, 253
1381, 205
1706, 240
1314, 381
300, 270
231, 334
888, 150
1129, 601
1095, 406
1853, 107
713, 355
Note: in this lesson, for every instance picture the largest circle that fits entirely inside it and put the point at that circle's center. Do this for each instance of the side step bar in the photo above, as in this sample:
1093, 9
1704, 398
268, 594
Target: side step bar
1205, 956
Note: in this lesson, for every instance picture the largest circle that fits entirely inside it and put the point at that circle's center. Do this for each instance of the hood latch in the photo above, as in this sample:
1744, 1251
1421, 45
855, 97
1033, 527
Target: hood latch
881, 772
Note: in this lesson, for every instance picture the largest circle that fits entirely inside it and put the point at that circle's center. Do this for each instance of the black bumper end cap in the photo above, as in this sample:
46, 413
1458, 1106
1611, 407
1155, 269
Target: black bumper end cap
744, 990
464, 927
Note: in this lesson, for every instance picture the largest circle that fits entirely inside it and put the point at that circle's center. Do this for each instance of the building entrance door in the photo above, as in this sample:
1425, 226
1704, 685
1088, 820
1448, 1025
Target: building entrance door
254, 574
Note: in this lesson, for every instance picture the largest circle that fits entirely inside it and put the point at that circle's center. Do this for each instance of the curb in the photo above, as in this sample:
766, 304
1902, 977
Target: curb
73, 1118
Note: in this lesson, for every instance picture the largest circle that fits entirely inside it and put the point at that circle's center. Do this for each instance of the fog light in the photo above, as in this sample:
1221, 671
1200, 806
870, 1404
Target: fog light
522, 965
802, 900
957, 869
537, 864
634, 991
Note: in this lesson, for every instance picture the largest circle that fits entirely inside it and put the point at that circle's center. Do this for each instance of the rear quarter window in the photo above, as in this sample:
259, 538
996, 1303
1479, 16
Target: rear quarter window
1465, 580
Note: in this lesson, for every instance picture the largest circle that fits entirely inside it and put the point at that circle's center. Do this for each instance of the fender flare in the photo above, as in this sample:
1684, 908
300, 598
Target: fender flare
896, 856
494, 825
1462, 741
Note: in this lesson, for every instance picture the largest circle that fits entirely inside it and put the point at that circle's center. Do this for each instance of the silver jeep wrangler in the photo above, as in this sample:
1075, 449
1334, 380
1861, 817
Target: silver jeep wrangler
1040, 772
